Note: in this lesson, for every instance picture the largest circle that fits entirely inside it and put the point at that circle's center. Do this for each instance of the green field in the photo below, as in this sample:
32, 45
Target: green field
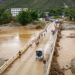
39, 4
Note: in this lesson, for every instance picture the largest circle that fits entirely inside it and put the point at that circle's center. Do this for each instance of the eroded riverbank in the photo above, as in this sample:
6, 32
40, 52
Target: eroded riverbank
64, 57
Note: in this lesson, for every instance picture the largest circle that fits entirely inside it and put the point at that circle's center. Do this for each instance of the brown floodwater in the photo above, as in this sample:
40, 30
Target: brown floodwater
12, 39
67, 49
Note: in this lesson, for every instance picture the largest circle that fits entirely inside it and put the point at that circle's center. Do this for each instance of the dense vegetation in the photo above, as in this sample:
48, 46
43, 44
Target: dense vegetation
25, 17
38, 4
70, 13
5, 16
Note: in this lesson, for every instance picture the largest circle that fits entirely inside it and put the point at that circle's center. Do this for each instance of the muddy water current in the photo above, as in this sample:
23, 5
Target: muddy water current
67, 50
12, 39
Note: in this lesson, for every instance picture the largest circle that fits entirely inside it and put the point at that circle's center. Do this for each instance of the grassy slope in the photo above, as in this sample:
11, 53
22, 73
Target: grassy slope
42, 4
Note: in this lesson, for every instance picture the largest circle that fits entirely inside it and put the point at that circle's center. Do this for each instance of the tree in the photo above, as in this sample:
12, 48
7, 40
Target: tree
5, 16
55, 12
70, 12
24, 17
34, 15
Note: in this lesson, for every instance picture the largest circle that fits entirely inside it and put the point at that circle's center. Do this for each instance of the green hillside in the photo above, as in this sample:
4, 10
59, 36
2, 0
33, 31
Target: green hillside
39, 4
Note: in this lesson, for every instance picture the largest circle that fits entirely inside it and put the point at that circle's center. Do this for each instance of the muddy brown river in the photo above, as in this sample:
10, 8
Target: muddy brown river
67, 50
13, 39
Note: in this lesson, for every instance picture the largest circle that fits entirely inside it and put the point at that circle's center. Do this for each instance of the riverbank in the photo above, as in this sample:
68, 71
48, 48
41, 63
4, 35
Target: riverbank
66, 50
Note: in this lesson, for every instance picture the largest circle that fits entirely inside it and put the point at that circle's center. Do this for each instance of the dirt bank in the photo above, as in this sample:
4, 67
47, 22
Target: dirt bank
55, 67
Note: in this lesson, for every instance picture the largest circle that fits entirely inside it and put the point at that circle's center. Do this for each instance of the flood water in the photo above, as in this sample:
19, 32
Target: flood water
67, 49
12, 39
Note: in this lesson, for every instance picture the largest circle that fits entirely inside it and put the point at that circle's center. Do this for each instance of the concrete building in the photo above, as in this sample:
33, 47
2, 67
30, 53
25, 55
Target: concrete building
15, 11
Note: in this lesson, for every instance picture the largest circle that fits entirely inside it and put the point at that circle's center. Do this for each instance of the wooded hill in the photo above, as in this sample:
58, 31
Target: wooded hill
38, 4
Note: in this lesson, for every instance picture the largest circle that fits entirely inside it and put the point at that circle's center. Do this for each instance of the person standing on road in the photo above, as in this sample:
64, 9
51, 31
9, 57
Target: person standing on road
53, 29
19, 54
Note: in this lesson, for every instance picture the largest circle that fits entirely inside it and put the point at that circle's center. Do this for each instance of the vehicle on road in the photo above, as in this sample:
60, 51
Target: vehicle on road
43, 53
39, 54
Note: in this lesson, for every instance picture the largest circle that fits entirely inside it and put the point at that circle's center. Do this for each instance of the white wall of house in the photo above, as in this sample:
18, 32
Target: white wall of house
15, 11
